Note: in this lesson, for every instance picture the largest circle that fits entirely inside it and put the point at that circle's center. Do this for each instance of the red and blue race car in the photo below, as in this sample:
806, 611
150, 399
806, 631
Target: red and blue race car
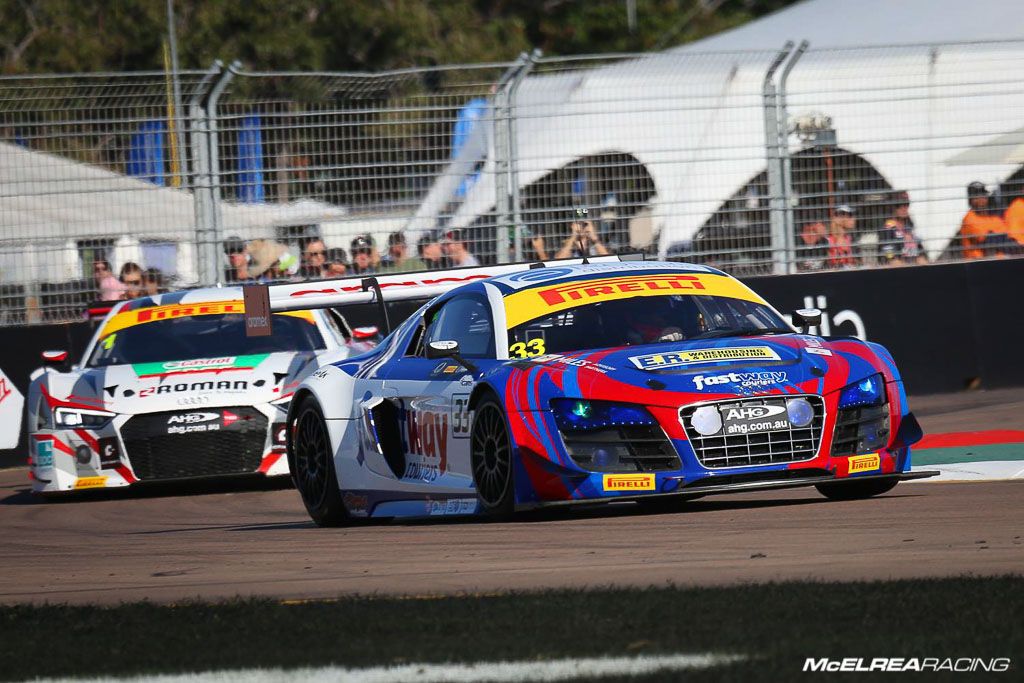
587, 382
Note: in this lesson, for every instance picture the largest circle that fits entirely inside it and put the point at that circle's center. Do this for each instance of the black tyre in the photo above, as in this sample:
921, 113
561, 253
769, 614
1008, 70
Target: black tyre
856, 490
491, 459
313, 466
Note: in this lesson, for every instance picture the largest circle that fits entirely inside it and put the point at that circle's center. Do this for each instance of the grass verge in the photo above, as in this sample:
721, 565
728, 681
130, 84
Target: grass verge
777, 625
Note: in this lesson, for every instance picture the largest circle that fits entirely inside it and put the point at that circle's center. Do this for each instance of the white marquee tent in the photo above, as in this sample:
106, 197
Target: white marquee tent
926, 114
49, 203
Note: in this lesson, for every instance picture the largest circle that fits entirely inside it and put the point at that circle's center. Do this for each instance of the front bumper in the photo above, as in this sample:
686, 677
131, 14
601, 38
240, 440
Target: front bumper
696, 491
153, 447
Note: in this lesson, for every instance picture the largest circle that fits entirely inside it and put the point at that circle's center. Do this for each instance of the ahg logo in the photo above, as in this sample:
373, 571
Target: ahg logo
191, 418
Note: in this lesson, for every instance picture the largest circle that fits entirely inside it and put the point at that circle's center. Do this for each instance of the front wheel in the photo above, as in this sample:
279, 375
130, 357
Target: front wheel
313, 467
856, 490
491, 459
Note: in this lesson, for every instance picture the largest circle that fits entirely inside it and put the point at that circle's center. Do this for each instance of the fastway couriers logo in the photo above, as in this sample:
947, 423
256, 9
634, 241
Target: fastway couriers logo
902, 664
747, 380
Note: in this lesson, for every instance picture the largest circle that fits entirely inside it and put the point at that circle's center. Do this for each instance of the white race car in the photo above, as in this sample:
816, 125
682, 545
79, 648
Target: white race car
171, 387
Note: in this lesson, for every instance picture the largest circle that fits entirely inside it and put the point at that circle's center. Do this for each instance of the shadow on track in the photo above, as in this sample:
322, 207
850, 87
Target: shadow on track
162, 489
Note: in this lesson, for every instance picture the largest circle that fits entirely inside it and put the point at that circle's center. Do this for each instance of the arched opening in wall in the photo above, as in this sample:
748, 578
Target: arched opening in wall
614, 187
737, 236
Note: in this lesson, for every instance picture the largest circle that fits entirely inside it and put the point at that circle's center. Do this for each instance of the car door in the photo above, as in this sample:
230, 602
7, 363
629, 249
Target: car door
432, 395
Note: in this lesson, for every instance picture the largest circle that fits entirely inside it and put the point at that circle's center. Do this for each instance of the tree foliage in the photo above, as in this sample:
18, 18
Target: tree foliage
39, 36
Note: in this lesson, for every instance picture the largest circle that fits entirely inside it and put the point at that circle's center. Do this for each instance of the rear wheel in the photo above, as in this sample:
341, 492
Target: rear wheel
313, 469
491, 459
856, 490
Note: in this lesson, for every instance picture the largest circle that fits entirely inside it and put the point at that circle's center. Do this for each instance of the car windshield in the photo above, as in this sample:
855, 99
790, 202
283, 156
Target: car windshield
643, 320
203, 336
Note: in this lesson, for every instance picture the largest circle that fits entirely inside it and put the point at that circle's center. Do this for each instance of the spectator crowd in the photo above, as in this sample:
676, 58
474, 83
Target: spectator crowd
985, 231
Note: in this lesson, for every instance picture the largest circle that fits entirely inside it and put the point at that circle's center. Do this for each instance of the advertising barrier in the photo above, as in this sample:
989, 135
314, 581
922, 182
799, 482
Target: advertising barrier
950, 327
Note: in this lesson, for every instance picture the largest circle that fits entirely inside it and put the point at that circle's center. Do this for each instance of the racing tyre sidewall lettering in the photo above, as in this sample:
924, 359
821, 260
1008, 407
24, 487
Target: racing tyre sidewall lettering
491, 458
314, 474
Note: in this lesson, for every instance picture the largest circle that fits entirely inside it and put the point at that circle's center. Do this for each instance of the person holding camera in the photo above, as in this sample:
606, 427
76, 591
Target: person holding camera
583, 239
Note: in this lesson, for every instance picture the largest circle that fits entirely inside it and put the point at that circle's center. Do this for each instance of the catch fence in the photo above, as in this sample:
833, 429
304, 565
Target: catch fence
758, 162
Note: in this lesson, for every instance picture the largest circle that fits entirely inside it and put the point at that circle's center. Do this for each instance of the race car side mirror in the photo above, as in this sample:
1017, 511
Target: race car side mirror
807, 318
442, 349
55, 359
448, 349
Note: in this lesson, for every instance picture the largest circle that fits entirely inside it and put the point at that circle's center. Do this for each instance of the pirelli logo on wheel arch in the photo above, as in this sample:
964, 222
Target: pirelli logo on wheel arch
628, 482
545, 299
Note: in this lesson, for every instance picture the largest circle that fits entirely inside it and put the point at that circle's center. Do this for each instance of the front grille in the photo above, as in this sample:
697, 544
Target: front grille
235, 446
761, 448
627, 448
861, 429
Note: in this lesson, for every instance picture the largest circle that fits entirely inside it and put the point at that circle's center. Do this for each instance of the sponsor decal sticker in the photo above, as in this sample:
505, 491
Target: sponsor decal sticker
356, 504
178, 367
543, 299
865, 463
90, 482
141, 316
44, 454
628, 482
219, 386
817, 351
752, 412
654, 361
575, 362
747, 380
191, 418
452, 506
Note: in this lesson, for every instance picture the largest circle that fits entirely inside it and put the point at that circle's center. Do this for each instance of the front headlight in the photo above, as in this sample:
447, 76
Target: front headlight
573, 415
80, 418
869, 391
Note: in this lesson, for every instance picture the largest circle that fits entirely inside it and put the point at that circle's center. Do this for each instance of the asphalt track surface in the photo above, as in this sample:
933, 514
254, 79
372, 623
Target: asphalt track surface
228, 539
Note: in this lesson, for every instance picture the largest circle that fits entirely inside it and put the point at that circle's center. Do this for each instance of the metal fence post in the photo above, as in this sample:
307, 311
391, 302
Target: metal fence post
217, 233
787, 162
776, 213
203, 204
502, 162
513, 153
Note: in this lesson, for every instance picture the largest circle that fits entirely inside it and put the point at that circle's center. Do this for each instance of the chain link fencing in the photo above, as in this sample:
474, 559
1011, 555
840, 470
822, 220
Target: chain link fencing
757, 162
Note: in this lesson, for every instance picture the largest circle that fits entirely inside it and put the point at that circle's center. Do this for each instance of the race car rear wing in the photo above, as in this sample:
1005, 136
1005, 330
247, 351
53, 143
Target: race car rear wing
393, 287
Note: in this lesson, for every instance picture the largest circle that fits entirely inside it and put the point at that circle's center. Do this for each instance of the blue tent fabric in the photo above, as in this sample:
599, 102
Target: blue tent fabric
466, 120
250, 161
146, 152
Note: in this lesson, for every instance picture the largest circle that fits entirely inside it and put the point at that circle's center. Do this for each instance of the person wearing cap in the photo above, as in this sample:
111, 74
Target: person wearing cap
979, 222
238, 260
454, 247
840, 238
430, 251
335, 262
364, 255
583, 239
313, 260
898, 245
395, 255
